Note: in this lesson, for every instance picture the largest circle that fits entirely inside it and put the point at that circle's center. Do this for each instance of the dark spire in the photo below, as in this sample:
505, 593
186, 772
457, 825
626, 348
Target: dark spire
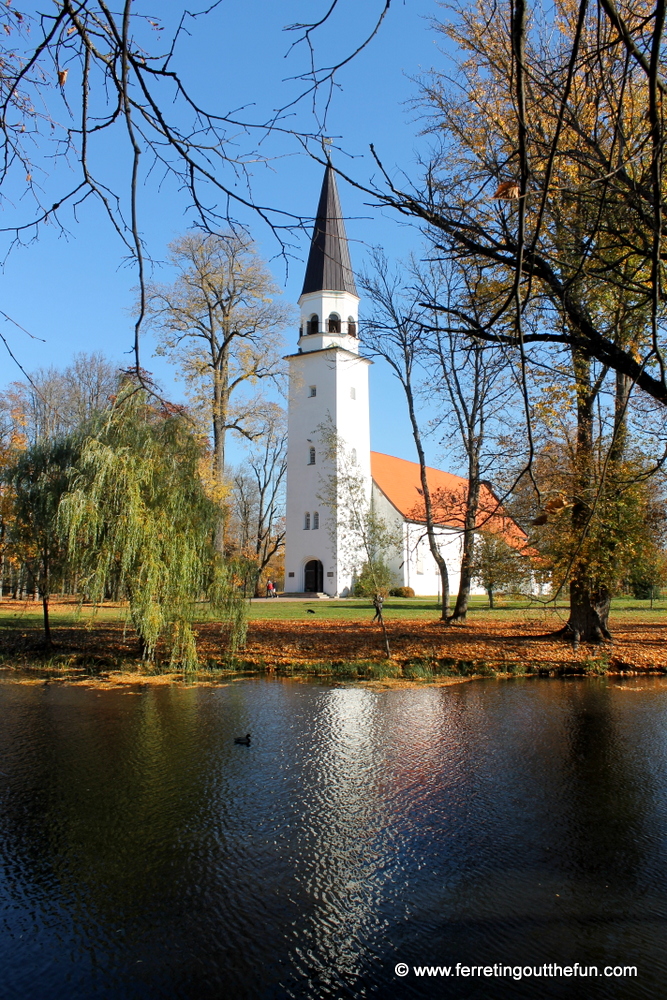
329, 266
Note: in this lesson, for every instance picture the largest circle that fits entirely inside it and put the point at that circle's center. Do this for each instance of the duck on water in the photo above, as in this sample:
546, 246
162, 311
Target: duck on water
243, 741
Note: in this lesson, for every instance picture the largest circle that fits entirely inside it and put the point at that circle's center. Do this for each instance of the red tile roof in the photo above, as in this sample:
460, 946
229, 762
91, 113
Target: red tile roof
400, 482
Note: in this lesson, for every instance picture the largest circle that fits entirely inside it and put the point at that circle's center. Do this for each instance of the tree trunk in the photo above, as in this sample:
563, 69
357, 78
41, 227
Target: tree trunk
220, 412
220, 415
490, 593
386, 638
47, 626
589, 612
590, 598
428, 506
621, 397
43, 586
472, 506
377, 604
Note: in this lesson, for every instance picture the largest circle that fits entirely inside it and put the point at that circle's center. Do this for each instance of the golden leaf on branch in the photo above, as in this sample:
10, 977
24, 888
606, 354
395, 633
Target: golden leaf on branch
62, 77
557, 503
507, 191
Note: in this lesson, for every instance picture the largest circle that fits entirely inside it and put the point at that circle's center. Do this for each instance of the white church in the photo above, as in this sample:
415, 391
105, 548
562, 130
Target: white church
329, 394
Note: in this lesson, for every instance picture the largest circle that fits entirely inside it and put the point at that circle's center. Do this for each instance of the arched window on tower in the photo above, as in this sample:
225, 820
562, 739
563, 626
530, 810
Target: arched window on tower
334, 323
352, 326
316, 520
314, 324
354, 456
311, 456
306, 521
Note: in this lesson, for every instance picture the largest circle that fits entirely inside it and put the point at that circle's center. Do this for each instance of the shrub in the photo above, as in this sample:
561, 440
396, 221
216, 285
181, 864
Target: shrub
373, 579
401, 592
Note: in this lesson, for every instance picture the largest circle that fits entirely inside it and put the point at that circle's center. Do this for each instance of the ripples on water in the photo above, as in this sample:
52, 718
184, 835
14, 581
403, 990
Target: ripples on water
143, 854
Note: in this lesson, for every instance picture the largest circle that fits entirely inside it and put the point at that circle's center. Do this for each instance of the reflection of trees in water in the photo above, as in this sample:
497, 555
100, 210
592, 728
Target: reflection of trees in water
105, 790
128, 836
607, 789
136, 815
25, 794
358, 822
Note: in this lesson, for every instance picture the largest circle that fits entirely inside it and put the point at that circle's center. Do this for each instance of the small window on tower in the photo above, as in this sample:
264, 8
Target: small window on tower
351, 326
334, 323
316, 521
306, 522
353, 393
312, 391
311, 456
354, 456
314, 324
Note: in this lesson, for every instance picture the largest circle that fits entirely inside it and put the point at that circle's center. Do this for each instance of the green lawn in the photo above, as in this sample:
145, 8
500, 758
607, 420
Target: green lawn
427, 607
29, 614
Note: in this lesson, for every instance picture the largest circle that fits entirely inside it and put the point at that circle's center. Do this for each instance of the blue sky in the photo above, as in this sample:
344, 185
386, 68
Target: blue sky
76, 291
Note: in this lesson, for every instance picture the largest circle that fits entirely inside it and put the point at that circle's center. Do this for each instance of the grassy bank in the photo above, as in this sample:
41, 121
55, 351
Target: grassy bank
337, 640
28, 614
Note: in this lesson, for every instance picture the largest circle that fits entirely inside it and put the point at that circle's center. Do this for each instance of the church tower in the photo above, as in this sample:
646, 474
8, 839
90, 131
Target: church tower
328, 388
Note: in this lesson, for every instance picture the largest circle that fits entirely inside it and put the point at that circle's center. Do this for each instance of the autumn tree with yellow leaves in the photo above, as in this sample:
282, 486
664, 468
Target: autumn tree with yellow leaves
220, 324
626, 523
547, 170
36, 481
547, 173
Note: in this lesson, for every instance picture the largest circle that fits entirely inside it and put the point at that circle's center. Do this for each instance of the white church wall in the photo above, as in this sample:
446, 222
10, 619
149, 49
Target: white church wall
352, 425
422, 572
332, 374
311, 395
413, 564
422, 568
395, 557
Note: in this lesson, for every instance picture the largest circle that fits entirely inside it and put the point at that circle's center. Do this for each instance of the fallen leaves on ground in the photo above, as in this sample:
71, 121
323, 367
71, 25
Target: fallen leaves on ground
496, 643
510, 643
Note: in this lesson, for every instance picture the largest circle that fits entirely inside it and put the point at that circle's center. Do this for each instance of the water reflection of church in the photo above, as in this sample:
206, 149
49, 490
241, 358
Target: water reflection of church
329, 387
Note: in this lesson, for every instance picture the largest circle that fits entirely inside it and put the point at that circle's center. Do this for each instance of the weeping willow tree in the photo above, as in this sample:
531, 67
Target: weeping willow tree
137, 513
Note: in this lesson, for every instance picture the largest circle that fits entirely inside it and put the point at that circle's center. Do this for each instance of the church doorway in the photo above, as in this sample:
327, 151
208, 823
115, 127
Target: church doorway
314, 577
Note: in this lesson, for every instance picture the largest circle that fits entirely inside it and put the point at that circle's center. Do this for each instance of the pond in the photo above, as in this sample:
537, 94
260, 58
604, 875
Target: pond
497, 825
